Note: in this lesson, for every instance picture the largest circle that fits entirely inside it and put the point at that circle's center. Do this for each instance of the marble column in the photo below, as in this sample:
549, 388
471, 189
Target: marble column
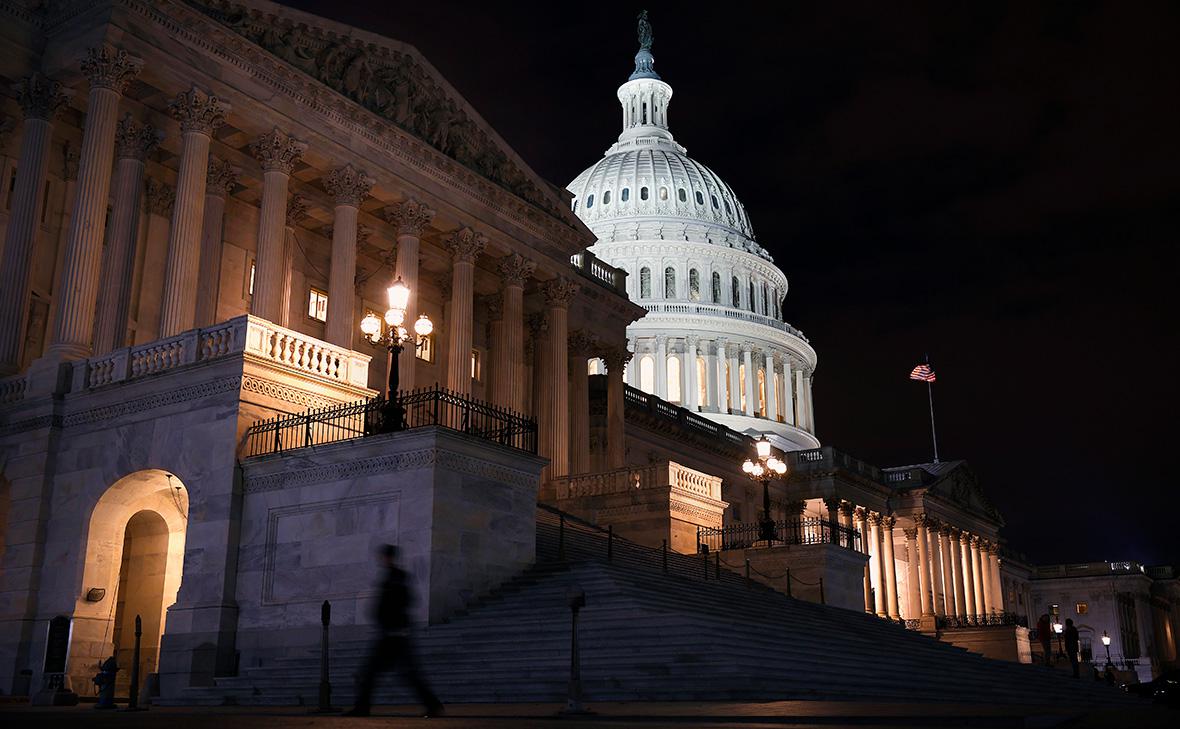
913, 598
733, 354
616, 436
977, 577
348, 186
507, 382
947, 559
968, 578
409, 217
691, 395
887, 523
800, 401
937, 590
788, 397
464, 245
580, 346
879, 558
751, 380
923, 567
133, 142
554, 430
278, 153
810, 404
661, 366
297, 206
199, 115
108, 70
989, 595
997, 579
220, 179
40, 99
771, 388
956, 560
862, 526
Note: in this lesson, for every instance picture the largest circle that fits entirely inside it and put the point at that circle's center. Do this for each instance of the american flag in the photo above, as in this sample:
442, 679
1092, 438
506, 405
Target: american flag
923, 373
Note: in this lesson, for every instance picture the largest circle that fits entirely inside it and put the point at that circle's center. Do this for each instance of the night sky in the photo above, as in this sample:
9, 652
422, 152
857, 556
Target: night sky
993, 183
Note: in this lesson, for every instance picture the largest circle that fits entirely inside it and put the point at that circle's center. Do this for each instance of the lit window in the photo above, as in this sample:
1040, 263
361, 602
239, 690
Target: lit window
317, 305
475, 364
250, 281
702, 382
673, 369
625, 195
590, 201
663, 193
682, 195
606, 198
424, 350
645, 283
647, 375
595, 366
643, 193
1083, 608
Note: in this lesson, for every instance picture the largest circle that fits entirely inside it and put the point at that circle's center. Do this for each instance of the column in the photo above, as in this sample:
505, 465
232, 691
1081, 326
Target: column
956, 560
108, 70
948, 559
887, 524
40, 99
833, 506
554, 431
722, 381
691, 396
998, 605
788, 397
977, 577
133, 142
800, 400
711, 380
297, 206
616, 440
862, 525
968, 579
199, 114
507, 380
989, 595
220, 179
277, 152
733, 352
579, 346
751, 378
464, 246
923, 567
810, 408
410, 217
661, 366
771, 388
878, 557
348, 186
913, 598
937, 590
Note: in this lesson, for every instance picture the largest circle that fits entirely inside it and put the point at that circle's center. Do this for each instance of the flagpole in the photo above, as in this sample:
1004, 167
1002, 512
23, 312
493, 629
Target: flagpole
933, 432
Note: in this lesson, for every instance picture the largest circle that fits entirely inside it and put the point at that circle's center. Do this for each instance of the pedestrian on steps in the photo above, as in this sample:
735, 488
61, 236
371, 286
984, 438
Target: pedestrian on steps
1045, 635
1071, 645
392, 649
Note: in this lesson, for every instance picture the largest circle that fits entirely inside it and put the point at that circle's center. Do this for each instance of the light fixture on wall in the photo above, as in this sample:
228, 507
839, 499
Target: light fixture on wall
174, 491
96, 594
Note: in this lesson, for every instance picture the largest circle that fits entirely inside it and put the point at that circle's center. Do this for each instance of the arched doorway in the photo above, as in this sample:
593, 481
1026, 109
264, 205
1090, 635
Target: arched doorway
134, 556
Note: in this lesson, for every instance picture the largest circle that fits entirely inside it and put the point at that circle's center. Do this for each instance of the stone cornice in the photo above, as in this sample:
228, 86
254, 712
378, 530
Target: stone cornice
711, 327
682, 252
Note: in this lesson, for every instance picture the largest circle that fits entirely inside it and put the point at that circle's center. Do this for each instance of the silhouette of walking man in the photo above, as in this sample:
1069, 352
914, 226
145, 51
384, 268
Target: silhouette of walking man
1071, 645
393, 649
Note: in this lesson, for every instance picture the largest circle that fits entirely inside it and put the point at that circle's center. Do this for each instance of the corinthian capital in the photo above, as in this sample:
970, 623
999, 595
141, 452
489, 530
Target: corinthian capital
409, 216
493, 304
887, 522
616, 358
197, 111
134, 140
465, 245
220, 177
516, 269
348, 185
581, 343
160, 197
559, 291
41, 97
110, 68
296, 210
277, 151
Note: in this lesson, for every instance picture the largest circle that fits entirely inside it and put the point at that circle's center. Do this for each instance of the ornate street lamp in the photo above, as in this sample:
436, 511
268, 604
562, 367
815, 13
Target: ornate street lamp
394, 340
1106, 642
764, 469
1057, 628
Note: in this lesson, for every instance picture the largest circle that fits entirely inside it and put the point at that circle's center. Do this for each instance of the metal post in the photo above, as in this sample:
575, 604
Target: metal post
717, 565
133, 691
821, 591
705, 561
664, 560
788, 582
325, 702
610, 543
576, 598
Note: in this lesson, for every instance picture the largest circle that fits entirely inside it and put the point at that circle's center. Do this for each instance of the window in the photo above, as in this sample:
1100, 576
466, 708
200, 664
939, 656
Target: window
475, 362
716, 288
250, 281
673, 379
425, 348
728, 402
765, 297
1128, 625
643, 193
1082, 608
663, 193
736, 292
625, 194
606, 198
714, 199
694, 285
728, 211
590, 201
647, 375
575, 206
682, 195
761, 410
645, 283
700, 198
595, 366
742, 386
669, 283
750, 301
644, 113
317, 305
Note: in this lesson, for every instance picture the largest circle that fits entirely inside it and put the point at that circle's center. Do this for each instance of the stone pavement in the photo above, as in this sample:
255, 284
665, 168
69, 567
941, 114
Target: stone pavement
714, 715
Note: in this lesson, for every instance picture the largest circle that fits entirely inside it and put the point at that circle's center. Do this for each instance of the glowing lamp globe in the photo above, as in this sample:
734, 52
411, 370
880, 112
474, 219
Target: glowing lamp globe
763, 446
371, 325
399, 295
1105, 639
1057, 627
395, 317
758, 469
748, 466
423, 327
780, 468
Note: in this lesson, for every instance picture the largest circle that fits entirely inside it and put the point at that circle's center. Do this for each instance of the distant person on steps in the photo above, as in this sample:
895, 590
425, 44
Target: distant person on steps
1045, 635
1071, 645
393, 648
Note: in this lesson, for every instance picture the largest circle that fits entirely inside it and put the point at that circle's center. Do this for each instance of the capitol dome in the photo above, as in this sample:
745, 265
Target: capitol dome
713, 340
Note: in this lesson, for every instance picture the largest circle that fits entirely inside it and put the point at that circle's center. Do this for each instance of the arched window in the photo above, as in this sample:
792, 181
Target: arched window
663, 193
669, 283
728, 401
647, 374
590, 201
714, 199
643, 193
625, 194
606, 198
674, 394
765, 298
682, 195
750, 301
645, 283
700, 198
595, 366
736, 292
716, 288
644, 112
694, 285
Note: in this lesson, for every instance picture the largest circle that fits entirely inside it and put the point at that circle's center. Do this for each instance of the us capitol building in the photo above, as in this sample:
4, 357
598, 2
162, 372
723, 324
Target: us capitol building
272, 293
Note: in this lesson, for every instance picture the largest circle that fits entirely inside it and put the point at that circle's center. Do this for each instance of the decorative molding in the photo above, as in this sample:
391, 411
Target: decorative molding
160, 197
198, 111
297, 209
286, 393
559, 292
221, 177
134, 140
171, 397
409, 217
515, 269
347, 185
465, 245
107, 67
277, 151
41, 97
70, 158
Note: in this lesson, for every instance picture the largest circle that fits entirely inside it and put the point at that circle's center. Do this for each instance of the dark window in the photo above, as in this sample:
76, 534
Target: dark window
714, 199
728, 211
694, 285
606, 198
643, 193
737, 294
682, 195
669, 283
716, 288
625, 194
700, 198
751, 301
645, 283
590, 201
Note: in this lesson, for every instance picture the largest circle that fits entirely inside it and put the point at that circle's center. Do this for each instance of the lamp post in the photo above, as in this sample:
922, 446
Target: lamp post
1057, 628
1106, 643
763, 470
394, 340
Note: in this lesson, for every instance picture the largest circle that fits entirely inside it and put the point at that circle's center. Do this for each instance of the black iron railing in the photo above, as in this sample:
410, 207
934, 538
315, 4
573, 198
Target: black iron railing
979, 621
424, 407
793, 531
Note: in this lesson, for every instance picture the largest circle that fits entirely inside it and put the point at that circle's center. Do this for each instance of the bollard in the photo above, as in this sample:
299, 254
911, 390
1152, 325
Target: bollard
821, 591
561, 537
610, 543
788, 582
747, 574
133, 691
576, 598
325, 702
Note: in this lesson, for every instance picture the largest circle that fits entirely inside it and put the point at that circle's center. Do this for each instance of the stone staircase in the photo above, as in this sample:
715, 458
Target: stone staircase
684, 632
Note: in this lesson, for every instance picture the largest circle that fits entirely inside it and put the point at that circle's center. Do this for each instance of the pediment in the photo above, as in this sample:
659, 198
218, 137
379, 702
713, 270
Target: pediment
390, 79
961, 487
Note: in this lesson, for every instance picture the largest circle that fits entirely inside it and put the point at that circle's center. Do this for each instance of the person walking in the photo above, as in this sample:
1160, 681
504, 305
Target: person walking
1071, 645
1045, 635
393, 649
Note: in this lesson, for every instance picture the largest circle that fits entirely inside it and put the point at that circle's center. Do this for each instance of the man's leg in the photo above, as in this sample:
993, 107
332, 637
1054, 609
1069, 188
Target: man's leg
408, 662
368, 676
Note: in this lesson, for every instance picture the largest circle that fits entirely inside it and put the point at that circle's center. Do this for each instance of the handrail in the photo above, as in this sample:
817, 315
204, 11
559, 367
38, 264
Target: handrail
811, 530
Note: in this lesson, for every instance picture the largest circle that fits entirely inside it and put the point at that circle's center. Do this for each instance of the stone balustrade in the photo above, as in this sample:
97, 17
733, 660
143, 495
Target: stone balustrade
12, 389
602, 272
662, 474
305, 354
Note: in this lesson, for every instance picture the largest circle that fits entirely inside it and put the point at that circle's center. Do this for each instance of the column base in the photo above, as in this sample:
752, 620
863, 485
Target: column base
49, 374
928, 624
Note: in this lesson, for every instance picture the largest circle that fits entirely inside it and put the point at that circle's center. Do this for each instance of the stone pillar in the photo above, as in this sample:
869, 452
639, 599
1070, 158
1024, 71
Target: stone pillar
348, 186
536, 352
878, 557
771, 389
133, 142
810, 404
948, 558
788, 397
800, 401
410, 217
507, 381
956, 560
40, 99
464, 246
580, 346
616, 436
691, 395
997, 604
108, 70
554, 431
220, 179
887, 523
989, 595
751, 379
661, 368
862, 525
924, 567
296, 214
977, 578
968, 579
913, 598
938, 591
277, 152
199, 115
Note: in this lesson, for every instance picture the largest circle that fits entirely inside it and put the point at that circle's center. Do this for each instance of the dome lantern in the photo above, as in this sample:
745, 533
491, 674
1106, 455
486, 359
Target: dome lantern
645, 96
